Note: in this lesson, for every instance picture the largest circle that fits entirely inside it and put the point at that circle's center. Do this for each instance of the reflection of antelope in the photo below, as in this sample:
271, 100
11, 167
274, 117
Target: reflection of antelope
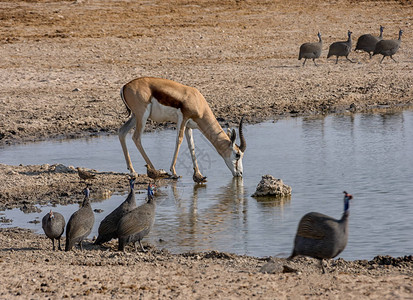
165, 100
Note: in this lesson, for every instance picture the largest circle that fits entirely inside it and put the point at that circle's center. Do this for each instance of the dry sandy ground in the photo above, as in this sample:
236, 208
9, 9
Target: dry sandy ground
30, 269
62, 65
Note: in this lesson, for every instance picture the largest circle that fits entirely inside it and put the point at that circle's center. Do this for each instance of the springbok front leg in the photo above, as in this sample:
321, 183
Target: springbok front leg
181, 125
191, 145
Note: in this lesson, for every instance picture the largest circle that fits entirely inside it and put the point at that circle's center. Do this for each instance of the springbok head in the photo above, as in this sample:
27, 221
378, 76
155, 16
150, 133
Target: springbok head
233, 159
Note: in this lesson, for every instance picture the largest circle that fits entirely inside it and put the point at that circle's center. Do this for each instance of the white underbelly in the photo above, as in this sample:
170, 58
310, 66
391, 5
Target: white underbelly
162, 113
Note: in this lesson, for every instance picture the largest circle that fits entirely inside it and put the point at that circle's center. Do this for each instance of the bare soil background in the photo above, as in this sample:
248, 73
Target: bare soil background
64, 62
62, 66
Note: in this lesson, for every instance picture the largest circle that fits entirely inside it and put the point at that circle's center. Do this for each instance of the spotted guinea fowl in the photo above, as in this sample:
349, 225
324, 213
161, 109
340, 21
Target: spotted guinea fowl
341, 48
367, 42
137, 223
311, 50
53, 225
321, 236
80, 223
388, 47
109, 225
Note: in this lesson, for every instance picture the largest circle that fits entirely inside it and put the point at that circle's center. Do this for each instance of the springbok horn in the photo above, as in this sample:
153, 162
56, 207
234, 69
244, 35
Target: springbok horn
243, 144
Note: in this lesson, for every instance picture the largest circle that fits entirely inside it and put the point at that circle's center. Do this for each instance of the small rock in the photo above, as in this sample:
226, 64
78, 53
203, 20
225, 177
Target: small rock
270, 186
60, 168
272, 267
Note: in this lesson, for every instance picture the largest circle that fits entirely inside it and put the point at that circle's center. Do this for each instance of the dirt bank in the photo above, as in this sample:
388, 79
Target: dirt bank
24, 186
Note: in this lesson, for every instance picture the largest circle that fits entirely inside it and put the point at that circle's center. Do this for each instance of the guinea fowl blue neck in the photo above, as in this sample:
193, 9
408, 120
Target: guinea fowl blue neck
132, 184
151, 188
347, 198
86, 192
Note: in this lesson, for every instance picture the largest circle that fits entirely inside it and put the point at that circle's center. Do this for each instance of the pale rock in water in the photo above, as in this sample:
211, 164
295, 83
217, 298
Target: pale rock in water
270, 186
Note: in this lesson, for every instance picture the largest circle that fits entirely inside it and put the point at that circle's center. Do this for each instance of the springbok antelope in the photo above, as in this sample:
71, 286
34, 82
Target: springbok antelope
165, 100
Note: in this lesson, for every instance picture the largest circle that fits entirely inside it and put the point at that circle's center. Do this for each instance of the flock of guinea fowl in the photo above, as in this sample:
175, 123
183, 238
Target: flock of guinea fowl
317, 236
371, 44
127, 222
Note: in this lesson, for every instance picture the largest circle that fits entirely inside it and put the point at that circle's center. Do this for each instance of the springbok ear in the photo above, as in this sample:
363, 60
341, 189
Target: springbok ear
229, 132
233, 136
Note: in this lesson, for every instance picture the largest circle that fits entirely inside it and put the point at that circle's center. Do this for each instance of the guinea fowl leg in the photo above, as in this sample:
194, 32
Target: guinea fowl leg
60, 248
143, 249
350, 60
322, 266
314, 62
393, 58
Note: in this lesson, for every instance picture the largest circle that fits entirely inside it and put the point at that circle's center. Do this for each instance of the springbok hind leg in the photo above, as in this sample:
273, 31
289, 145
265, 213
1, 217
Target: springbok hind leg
123, 131
140, 126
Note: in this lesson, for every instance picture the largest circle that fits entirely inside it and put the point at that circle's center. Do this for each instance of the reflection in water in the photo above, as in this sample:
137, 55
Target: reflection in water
273, 201
368, 155
197, 226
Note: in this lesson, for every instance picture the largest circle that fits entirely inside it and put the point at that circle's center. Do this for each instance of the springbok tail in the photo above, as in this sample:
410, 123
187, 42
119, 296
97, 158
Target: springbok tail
124, 102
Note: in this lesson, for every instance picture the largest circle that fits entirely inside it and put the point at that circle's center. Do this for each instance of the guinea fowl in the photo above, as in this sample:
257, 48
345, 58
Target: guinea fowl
109, 225
311, 50
388, 47
137, 223
320, 236
53, 225
341, 48
80, 223
367, 42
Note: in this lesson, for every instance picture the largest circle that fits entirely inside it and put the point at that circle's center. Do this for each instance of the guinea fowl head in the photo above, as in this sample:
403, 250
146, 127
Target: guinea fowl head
347, 198
51, 215
86, 192
151, 190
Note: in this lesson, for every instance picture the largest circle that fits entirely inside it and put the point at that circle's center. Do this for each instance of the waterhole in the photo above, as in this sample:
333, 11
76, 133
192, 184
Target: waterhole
368, 155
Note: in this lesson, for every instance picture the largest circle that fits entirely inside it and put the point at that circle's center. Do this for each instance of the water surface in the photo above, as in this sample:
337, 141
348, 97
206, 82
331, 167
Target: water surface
368, 155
